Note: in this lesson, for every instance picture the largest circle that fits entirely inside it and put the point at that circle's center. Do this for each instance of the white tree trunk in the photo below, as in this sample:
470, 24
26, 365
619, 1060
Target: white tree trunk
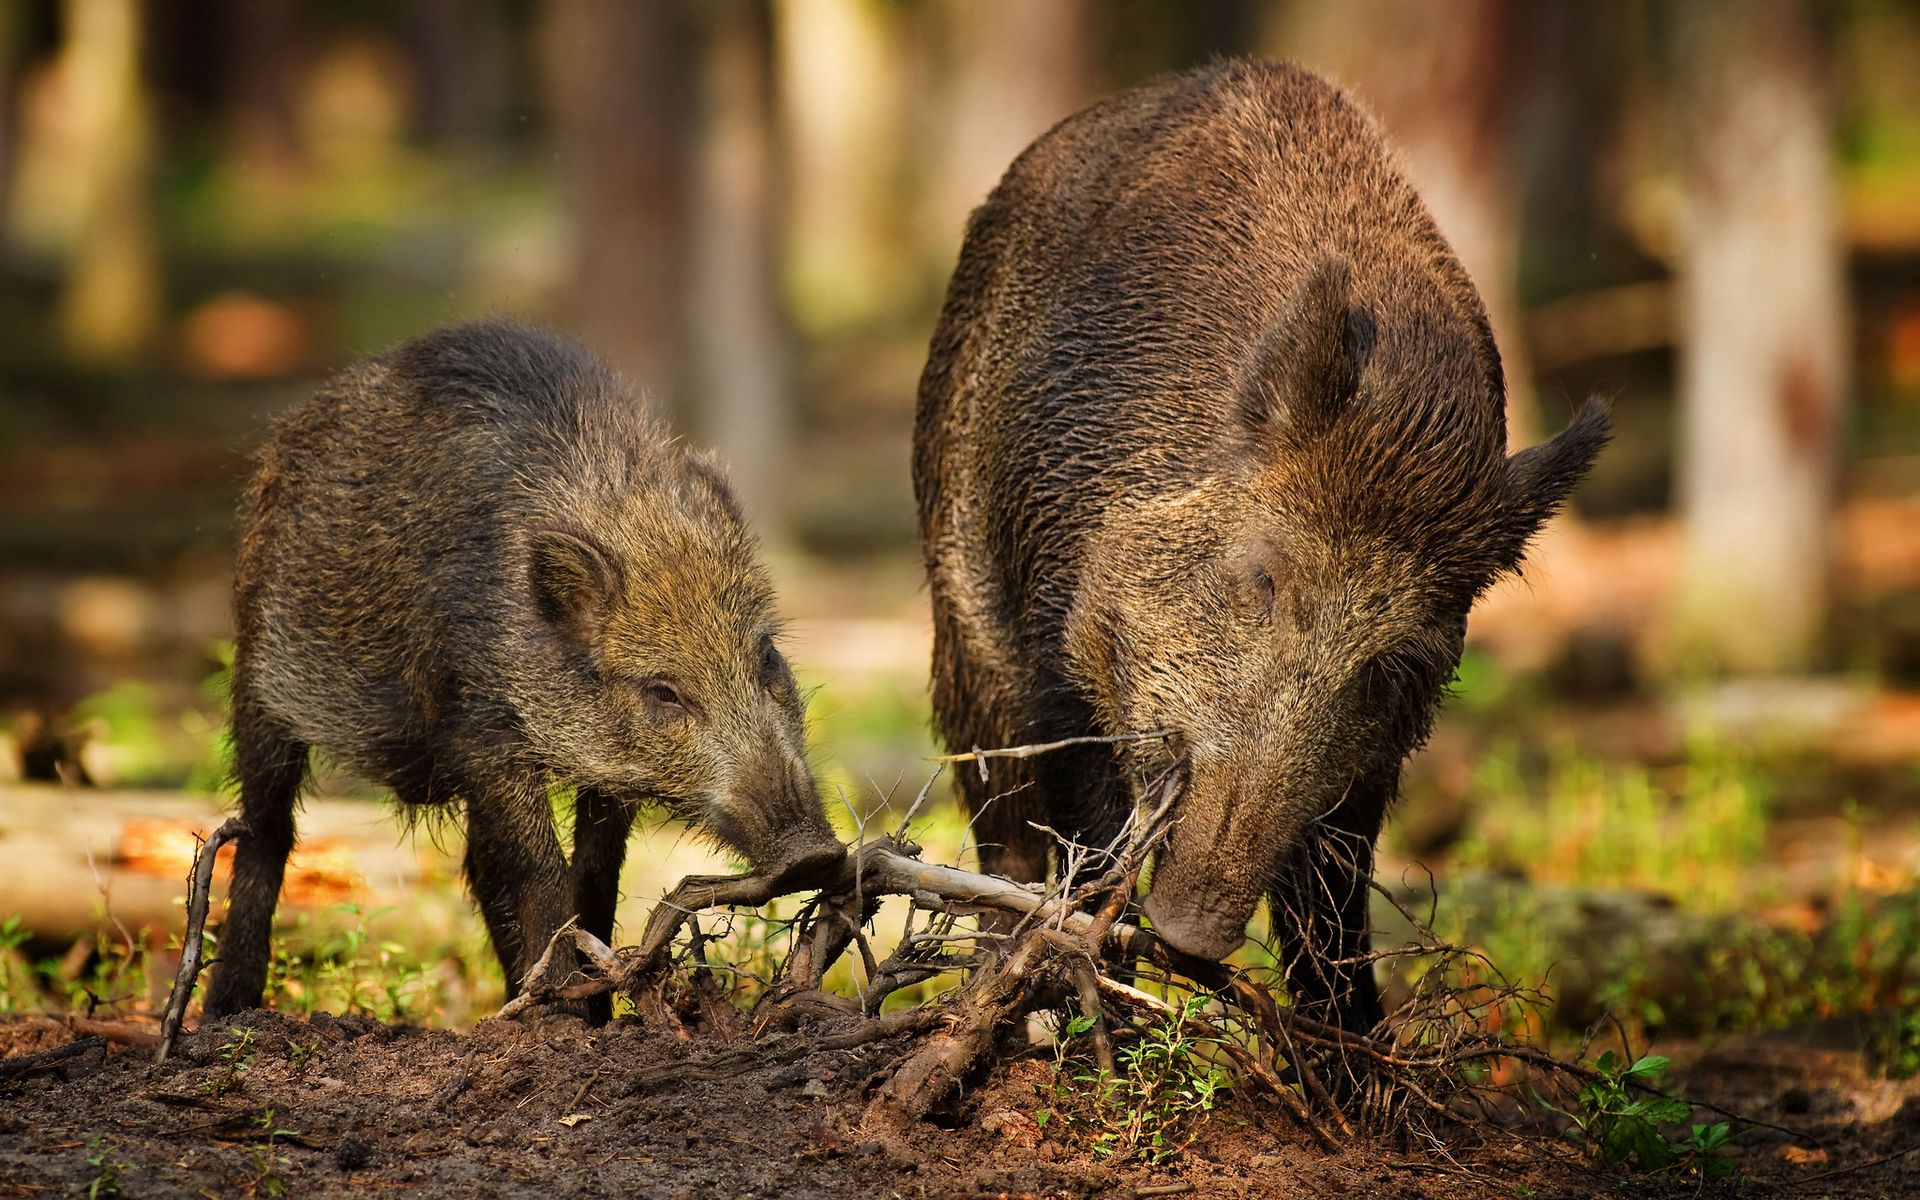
737, 336
1763, 364
110, 305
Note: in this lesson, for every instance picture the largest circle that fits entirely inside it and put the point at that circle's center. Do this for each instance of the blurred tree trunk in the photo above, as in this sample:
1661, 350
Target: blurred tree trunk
619, 76
12, 19
1446, 82
109, 307
1017, 68
738, 339
263, 68
464, 54
1762, 302
840, 105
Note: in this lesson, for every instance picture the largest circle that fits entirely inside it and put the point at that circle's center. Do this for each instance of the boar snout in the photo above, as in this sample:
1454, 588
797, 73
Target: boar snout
1219, 857
1197, 922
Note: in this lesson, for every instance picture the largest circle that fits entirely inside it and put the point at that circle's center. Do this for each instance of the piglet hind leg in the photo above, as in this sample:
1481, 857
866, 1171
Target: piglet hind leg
271, 765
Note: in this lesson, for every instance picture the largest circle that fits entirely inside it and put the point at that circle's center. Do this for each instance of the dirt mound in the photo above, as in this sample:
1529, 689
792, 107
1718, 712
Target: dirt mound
264, 1104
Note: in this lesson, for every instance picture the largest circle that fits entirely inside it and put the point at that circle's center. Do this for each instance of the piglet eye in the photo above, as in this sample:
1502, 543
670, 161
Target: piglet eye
772, 666
664, 694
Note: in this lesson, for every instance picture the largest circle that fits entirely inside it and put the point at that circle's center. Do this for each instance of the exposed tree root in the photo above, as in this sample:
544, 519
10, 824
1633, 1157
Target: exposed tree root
1426, 1070
1436, 1065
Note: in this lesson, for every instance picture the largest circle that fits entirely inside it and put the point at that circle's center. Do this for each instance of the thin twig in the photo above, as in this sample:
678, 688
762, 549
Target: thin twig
199, 897
1036, 749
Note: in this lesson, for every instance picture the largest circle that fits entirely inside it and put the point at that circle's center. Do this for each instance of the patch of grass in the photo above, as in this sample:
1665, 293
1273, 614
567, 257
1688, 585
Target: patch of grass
104, 1159
329, 962
1696, 830
17, 987
126, 719
1636, 888
1893, 1044
108, 971
235, 1058
270, 1164
1149, 1108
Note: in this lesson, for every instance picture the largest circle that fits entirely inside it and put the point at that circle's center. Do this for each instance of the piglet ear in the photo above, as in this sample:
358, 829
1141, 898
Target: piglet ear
1308, 367
573, 583
1540, 478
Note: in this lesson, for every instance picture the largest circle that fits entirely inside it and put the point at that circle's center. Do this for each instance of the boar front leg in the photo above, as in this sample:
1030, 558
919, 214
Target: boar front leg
1321, 914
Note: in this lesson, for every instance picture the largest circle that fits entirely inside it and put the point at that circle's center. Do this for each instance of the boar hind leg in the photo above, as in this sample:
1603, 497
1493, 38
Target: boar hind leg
271, 765
971, 710
1321, 917
600, 827
518, 874
1087, 801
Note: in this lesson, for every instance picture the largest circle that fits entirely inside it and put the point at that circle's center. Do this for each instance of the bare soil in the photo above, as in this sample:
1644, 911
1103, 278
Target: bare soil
556, 1108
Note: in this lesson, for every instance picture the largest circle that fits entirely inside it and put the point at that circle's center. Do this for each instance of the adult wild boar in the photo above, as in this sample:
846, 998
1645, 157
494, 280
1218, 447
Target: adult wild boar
475, 567
1211, 438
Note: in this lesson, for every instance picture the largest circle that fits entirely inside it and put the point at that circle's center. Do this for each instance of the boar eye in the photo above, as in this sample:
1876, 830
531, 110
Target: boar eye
664, 694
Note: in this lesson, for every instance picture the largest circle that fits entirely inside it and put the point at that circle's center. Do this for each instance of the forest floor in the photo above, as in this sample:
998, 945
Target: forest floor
265, 1104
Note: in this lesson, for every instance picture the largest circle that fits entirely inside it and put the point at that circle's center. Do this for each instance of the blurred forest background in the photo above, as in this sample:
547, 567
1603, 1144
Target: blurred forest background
1702, 706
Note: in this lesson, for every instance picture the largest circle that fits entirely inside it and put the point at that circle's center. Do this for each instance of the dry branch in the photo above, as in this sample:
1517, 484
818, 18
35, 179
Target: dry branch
1038, 748
25, 1064
1073, 945
199, 897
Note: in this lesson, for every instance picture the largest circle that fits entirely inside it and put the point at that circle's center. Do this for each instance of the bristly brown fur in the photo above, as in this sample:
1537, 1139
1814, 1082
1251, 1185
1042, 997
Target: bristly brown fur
1211, 437
477, 566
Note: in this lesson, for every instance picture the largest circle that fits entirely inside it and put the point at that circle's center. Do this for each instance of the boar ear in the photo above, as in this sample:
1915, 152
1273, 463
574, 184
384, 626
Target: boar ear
1540, 478
1309, 366
573, 583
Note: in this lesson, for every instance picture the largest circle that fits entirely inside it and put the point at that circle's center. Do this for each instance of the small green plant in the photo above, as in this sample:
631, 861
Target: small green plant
300, 1057
1150, 1107
16, 977
270, 1165
235, 1056
349, 972
1620, 1115
1893, 1044
104, 1158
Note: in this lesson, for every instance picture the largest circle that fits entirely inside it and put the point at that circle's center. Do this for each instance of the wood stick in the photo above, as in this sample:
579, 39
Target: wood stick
876, 869
26, 1063
199, 897
1038, 748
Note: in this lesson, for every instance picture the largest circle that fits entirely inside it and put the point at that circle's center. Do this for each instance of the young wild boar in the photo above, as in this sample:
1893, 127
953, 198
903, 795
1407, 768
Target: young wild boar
475, 567
1211, 438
